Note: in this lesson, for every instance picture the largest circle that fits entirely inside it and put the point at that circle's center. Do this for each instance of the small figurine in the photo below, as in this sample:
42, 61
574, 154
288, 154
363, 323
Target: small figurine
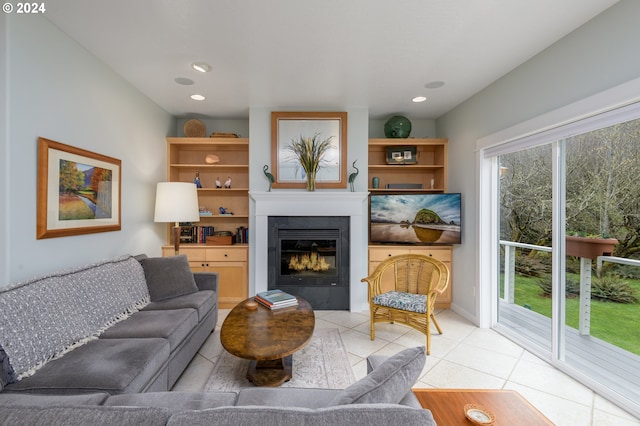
205, 211
352, 176
227, 183
218, 184
268, 175
197, 180
224, 211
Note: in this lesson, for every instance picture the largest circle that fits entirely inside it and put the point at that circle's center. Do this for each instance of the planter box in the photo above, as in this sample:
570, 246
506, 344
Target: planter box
590, 248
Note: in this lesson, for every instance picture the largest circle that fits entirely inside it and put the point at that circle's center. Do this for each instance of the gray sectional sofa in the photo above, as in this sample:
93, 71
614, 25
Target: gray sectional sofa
382, 397
103, 344
124, 325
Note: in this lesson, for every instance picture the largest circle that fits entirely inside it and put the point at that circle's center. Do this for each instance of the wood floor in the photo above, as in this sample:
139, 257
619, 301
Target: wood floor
606, 363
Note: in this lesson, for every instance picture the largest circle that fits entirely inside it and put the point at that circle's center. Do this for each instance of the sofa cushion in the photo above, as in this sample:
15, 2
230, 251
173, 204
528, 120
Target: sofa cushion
14, 399
375, 361
202, 301
102, 365
352, 415
168, 277
174, 325
82, 416
288, 397
388, 383
175, 401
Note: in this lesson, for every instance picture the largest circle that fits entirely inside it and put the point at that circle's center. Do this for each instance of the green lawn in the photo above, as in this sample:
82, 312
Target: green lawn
615, 323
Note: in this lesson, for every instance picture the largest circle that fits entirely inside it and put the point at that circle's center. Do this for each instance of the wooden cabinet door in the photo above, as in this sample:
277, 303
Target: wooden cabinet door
232, 280
233, 277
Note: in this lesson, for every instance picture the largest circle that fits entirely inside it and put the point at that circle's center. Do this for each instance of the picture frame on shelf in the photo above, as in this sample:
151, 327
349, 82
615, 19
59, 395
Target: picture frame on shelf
401, 155
78, 192
289, 126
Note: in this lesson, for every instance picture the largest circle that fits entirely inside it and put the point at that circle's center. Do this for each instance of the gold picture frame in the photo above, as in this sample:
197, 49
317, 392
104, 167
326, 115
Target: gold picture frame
288, 126
78, 191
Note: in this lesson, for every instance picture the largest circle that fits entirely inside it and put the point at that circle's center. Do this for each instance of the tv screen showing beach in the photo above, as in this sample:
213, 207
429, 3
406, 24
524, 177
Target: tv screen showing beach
415, 218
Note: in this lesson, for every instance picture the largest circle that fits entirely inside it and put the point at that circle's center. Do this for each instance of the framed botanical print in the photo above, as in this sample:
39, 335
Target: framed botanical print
287, 127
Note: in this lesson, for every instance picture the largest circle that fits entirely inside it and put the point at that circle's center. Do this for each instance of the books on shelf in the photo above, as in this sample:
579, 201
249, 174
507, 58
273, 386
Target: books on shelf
276, 299
195, 234
242, 235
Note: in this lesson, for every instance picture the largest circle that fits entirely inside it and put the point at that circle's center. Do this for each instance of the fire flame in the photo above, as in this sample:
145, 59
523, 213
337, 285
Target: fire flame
309, 261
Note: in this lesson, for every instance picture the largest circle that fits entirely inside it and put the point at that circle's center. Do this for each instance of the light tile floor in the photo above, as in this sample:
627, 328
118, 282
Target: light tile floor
465, 356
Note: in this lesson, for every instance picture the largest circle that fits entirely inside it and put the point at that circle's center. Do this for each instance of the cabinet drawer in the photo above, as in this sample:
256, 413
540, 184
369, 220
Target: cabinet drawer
226, 255
193, 254
442, 254
379, 254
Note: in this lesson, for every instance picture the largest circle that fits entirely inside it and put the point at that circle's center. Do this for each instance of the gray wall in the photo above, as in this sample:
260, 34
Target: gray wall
58, 90
4, 156
599, 55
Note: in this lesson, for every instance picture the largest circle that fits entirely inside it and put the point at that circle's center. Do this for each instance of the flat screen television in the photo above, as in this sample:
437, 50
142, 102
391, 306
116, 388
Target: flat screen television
415, 218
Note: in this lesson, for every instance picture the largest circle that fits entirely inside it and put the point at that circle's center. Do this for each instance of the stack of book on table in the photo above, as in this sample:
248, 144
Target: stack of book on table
276, 299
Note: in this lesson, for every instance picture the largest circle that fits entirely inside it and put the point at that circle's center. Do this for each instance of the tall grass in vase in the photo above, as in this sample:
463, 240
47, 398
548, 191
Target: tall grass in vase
310, 154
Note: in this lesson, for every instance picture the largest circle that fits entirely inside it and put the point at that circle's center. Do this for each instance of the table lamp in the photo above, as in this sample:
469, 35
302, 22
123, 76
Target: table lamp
176, 202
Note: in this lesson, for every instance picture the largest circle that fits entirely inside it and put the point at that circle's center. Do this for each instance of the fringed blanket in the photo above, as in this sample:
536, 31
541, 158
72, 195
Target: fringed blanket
46, 317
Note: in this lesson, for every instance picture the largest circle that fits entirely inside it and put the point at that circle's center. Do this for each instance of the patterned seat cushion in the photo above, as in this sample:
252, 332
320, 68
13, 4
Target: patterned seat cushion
404, 301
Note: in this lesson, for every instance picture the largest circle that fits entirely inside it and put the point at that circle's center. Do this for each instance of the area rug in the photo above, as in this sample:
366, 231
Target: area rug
322, 363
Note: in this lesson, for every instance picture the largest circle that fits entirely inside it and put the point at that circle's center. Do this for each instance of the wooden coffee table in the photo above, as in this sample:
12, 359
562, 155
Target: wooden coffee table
509, 407
268, 338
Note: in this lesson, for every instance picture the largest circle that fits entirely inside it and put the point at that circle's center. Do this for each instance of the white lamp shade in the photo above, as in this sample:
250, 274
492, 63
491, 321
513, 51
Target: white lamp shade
177, 202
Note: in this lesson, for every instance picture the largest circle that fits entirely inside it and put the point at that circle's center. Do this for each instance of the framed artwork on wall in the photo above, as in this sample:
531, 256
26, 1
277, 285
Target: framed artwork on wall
291, 126
78, 191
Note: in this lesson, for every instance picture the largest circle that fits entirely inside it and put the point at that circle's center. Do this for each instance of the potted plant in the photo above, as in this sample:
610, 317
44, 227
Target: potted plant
310, 153
589, 246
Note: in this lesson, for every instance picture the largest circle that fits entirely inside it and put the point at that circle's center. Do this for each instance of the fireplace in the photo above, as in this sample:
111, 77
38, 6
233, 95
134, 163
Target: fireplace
309, 256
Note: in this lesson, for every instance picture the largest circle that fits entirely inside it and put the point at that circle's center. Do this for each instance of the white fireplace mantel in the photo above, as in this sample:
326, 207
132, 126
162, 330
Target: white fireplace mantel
317, 203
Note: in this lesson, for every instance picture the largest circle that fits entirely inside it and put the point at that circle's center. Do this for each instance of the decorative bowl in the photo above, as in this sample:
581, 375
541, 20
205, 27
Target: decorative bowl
194, 128
478, 415
211, 159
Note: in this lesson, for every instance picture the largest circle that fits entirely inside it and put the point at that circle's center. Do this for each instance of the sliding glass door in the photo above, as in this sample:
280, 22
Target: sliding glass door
525, 243
568, 220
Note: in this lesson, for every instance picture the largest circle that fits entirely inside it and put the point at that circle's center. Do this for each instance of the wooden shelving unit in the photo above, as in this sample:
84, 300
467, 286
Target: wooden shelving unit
431, 164
185, 157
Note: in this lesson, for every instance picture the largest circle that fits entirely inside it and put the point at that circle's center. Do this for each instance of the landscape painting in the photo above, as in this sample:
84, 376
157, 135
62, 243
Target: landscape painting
78, 191
84, 191
415, 218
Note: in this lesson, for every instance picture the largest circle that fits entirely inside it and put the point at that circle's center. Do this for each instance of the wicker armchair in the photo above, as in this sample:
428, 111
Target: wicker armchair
418, 280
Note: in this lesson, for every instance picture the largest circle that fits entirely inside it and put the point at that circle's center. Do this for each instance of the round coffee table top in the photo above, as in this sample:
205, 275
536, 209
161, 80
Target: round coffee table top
265, 334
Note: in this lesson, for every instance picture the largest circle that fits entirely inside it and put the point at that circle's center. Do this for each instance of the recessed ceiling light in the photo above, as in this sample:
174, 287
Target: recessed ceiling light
419, 99
197, 97
183, 81
434, 84
201, 66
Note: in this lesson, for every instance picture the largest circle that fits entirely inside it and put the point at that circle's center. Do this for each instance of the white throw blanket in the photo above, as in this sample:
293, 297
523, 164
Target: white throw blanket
46, 317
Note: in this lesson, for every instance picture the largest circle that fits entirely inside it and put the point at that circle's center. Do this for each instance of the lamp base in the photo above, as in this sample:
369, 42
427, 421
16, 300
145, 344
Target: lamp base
176, 238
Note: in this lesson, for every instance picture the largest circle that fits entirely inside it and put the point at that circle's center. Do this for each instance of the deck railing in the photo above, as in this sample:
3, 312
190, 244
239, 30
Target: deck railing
584, 325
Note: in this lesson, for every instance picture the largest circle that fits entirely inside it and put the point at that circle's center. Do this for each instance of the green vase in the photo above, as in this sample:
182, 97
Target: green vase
397, 127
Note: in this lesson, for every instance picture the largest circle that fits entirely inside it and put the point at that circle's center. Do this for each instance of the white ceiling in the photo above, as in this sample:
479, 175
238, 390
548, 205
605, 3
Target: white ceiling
317, 54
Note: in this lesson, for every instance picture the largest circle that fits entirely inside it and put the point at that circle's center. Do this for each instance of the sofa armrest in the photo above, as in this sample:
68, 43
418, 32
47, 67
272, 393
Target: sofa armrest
373, 361
206, 280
